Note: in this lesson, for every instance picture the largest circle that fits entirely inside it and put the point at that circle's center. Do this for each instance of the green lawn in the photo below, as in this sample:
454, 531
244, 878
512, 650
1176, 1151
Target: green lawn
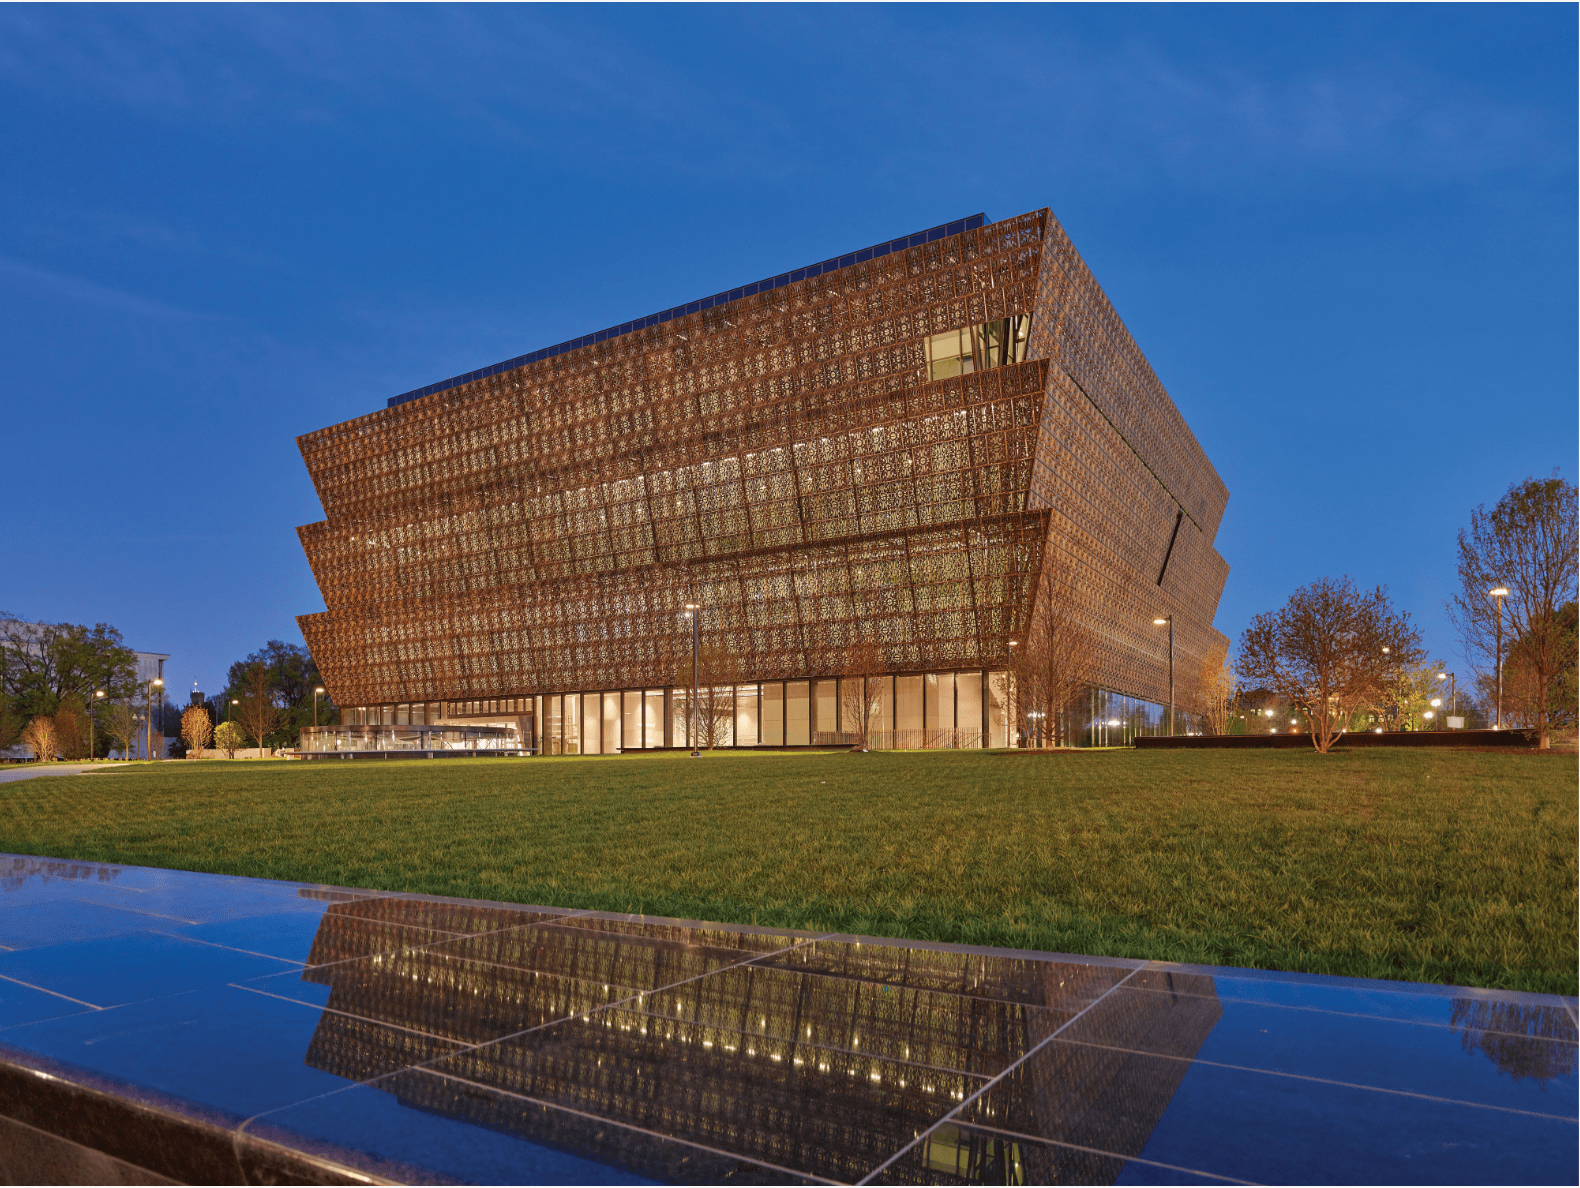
1429, 866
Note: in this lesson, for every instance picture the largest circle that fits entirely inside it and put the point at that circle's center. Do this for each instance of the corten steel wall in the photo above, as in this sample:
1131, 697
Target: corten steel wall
785, 461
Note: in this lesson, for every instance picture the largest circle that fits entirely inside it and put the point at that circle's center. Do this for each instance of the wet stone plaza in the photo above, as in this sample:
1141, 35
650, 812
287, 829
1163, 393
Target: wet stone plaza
161, 1026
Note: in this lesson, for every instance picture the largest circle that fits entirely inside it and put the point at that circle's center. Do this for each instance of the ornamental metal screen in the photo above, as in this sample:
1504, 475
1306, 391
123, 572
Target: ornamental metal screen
870, 468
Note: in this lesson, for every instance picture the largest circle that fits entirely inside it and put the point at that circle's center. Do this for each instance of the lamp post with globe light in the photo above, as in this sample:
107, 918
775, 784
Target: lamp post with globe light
92, 701
1169, 619
694, 612
148, 718
1013, 704
1498, 594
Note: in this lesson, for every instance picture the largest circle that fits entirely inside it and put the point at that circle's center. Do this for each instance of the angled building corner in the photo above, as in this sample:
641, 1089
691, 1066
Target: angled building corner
860, 470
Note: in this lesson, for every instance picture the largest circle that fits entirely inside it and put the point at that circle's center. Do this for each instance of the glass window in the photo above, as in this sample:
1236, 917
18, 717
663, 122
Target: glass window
976, 348
880, 696
592, 723
572, 725
826, 708
938, 703
611, 723
949, 354
681, 727
998, 709
653, 718
774, 713
746, 716
850, 705
796, 724
968, 708
631, 722
718, 715
908, 712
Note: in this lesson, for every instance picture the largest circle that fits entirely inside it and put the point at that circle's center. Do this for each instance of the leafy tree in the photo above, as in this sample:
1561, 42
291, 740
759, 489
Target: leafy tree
290, 676
41, 663
1409, 693
39, 737
11, 724
1324, 653
230, 738
71, 728
1527, 544
196, 729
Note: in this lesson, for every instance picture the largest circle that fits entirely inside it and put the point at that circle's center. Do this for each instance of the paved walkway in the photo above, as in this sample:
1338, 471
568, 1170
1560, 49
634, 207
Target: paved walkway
225, 1030
31, 771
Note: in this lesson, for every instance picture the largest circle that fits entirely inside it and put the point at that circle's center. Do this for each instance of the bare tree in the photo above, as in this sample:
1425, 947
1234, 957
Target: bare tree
1328, 652
1526, 544
1209, 693
717, 672
1053, 664
39, 737
229, 738
858, 696
196, 729
259, 715
1521, 699
122, 723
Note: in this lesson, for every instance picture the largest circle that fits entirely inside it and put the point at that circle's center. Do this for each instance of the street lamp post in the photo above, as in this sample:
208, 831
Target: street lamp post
148, 718
693, 611
1498, 594
316, 693
1392, 708
1453, 692
1169, 619
1013, 705
92, 701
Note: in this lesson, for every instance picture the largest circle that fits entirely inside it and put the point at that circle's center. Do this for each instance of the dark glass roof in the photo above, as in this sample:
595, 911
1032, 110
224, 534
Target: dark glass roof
691, 307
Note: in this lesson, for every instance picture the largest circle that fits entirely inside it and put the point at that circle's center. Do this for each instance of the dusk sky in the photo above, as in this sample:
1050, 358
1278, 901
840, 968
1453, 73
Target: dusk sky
1343, 236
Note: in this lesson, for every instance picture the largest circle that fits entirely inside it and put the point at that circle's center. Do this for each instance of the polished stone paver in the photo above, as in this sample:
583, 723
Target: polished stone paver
416, 1038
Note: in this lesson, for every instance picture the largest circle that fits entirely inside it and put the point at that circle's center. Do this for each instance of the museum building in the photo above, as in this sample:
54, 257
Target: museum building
869, 479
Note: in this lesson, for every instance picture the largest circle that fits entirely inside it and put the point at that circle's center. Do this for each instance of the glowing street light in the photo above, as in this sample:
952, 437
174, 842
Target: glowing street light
316, 693
148, 718
693, 612
1498, 594
97, 694
1169, 619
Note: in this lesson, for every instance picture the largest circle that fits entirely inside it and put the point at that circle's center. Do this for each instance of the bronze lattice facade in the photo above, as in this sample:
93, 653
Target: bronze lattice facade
878, 456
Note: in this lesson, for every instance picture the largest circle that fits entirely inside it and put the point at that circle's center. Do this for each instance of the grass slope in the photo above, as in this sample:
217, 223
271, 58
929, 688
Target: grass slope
1428, 866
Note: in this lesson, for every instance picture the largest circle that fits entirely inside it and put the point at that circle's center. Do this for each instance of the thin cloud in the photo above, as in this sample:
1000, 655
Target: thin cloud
87, 292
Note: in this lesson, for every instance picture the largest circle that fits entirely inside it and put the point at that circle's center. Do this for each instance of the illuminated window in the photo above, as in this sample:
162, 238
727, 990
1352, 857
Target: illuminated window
977, 348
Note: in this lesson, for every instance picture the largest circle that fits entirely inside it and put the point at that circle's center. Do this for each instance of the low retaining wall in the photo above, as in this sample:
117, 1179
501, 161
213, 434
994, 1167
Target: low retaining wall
1397, 738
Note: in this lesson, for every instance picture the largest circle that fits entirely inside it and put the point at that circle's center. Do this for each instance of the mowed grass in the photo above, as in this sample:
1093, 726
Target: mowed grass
1420, 865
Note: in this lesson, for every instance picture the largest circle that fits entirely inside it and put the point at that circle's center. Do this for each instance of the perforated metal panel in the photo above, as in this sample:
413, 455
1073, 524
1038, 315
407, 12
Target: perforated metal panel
784, 460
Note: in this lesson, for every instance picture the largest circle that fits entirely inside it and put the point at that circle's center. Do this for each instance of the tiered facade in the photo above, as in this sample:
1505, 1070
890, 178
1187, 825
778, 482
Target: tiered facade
869, 464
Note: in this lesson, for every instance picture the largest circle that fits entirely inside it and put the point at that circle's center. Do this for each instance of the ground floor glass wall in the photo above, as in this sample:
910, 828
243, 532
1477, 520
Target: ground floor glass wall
913, 711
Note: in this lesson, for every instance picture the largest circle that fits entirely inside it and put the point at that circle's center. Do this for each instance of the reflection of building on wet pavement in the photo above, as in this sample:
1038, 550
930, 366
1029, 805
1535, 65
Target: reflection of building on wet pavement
826, 1058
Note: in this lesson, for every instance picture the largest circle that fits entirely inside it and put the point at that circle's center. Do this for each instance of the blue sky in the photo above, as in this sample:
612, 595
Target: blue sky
1344, 236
